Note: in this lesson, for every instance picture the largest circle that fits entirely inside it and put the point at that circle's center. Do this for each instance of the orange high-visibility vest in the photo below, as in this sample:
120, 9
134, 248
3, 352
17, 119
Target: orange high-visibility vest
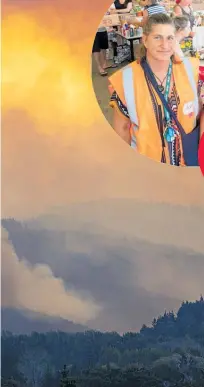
131, 87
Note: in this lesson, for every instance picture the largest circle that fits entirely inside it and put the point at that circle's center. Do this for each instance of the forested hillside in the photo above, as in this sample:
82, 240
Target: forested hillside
169, 353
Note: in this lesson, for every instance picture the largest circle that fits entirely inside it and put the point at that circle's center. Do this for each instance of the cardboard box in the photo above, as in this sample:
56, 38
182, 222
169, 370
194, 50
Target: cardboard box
110, 21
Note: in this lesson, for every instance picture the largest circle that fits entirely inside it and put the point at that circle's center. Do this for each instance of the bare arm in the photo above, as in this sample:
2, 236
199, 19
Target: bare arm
121, 125
120, 11
144, 19
112, 7
177, 11
137, 22
129, 7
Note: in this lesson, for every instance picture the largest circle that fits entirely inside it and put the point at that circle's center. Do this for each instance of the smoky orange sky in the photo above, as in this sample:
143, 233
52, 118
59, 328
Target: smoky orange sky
56, 144
58, 149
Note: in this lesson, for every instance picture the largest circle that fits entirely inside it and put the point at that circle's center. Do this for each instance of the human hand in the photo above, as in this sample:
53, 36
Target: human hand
192, 34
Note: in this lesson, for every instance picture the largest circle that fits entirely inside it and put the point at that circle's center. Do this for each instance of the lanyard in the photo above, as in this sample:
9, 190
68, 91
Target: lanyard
167, 89
169, 132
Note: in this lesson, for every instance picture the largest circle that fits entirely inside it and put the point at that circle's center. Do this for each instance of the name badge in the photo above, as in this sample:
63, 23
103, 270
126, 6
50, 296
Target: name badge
188, 108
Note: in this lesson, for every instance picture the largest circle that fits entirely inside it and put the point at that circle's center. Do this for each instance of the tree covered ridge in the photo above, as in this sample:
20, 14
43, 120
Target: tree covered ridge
169, 353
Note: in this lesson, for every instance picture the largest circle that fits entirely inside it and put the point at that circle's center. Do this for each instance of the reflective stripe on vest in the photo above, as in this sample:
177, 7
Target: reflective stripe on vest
190, 141
129, 93
189, 70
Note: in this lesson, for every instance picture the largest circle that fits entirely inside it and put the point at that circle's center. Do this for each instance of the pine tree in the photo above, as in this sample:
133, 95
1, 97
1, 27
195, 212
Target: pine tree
66, 381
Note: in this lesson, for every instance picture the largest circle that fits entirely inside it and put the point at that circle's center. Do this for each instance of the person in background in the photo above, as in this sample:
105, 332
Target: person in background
183, 28
138, 92
184, 7
100, 46
121, 6
151, 7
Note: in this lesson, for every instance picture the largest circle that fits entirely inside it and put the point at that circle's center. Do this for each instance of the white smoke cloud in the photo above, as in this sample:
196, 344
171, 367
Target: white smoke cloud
36, 289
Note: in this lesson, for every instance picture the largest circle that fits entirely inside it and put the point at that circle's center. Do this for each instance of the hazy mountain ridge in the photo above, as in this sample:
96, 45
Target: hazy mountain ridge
158, 223
121, 270
22, 322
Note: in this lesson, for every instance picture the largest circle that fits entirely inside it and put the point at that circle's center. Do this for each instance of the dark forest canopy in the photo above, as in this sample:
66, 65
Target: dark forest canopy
170, 353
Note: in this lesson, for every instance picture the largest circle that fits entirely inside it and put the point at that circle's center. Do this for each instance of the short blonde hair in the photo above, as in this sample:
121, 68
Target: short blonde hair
158, 18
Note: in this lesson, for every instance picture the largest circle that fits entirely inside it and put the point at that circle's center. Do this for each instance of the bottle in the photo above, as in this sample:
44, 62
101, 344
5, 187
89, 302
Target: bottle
124, 28
131, 30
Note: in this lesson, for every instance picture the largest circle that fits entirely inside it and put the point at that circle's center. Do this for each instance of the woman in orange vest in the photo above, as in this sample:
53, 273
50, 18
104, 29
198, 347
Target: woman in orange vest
156, 101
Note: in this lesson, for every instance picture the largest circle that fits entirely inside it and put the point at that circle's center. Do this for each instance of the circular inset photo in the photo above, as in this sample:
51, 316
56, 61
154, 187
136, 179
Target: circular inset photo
148, 76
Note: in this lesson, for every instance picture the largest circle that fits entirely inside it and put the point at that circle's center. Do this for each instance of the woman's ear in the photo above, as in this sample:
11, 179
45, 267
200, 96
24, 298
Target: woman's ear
144, 40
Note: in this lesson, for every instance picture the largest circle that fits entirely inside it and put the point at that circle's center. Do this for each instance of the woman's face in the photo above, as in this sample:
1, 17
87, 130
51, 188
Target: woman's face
160, 42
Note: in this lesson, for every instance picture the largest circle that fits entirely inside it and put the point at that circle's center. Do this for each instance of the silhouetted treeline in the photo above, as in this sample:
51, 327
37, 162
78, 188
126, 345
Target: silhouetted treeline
170, 353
